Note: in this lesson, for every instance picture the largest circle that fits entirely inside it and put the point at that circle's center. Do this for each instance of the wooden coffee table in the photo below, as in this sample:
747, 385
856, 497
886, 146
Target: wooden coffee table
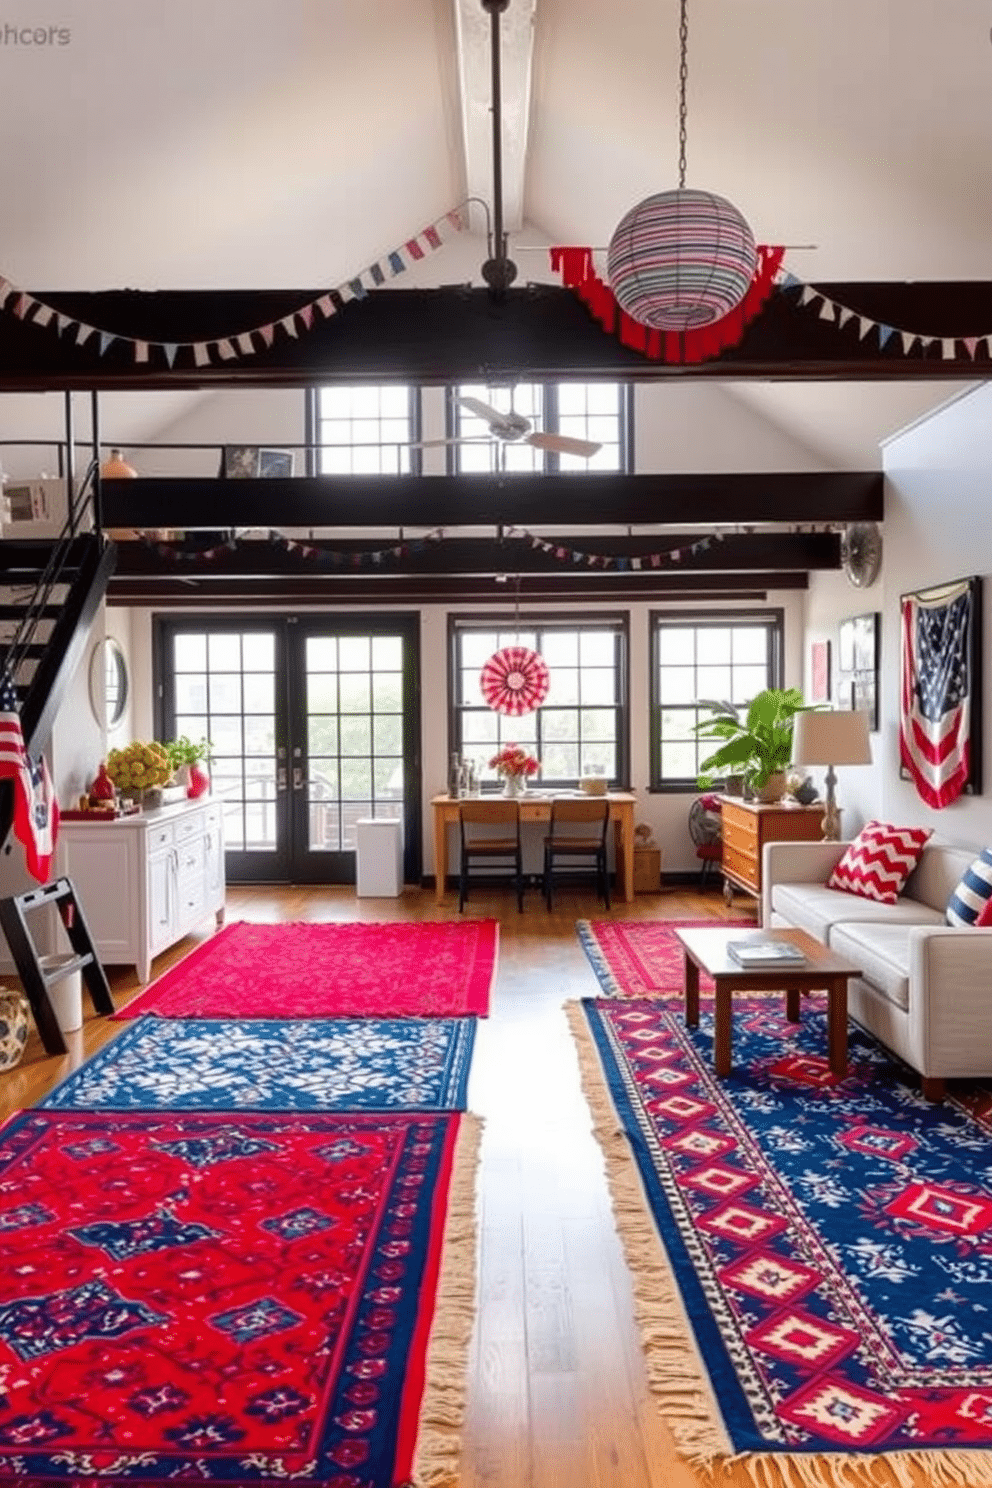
706, 950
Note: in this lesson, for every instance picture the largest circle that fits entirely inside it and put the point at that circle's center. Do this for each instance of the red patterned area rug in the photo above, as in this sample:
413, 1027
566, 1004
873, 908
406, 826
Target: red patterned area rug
642, 958
811, 1257
241, 1299
350, 970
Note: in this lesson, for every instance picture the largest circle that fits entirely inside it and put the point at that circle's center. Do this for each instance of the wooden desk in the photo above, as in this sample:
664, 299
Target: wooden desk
536, 807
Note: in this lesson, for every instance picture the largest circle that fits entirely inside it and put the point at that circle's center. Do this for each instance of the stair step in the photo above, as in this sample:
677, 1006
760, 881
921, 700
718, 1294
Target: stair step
16, 611
66, 967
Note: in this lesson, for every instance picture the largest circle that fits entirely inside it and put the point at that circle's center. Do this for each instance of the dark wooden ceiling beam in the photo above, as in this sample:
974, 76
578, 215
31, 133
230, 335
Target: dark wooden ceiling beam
452, 334
738, 553
517, 500
198, 588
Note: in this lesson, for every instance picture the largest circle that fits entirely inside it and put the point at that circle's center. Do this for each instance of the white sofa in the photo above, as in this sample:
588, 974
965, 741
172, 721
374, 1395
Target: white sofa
926, 987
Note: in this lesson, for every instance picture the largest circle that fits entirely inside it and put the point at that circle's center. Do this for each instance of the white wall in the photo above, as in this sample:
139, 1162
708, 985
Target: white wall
936, 529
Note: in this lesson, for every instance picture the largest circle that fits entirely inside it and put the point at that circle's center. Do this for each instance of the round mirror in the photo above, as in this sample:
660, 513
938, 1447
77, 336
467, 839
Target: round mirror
108, 682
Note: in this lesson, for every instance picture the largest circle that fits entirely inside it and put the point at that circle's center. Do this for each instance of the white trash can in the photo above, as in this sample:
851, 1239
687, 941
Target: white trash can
380, 857
65, 995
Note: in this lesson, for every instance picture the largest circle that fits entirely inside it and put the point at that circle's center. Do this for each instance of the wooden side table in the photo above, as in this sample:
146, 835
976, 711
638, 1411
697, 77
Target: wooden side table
748, 825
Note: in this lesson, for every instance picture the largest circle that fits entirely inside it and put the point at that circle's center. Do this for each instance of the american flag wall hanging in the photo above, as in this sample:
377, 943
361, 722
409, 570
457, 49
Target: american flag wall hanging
940, 709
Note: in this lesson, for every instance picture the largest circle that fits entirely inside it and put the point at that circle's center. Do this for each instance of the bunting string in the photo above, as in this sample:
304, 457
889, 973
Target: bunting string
27, 307
325, 557
890, 338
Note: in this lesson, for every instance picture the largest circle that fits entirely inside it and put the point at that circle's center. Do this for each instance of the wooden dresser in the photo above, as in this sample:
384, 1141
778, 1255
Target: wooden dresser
748, 825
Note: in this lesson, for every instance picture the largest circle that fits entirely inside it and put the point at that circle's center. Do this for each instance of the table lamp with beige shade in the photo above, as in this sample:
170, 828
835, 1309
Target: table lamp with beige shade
824, 737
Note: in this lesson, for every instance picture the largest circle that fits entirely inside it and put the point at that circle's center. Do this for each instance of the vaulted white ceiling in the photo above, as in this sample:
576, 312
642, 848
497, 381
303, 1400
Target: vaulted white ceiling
265, 143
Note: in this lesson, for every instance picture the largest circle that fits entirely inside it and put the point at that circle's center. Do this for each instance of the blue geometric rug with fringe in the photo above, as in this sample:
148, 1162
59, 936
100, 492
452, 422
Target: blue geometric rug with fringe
334, 1064
826, 1245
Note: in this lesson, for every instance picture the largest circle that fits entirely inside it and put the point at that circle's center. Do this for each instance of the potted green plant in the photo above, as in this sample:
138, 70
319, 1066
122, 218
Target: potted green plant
756, 743
188, 762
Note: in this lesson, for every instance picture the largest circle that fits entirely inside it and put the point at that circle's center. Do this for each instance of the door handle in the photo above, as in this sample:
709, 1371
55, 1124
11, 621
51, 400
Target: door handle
281, 780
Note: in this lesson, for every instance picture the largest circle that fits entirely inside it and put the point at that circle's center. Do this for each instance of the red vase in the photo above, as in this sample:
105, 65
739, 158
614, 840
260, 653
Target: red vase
103, 788
199, 782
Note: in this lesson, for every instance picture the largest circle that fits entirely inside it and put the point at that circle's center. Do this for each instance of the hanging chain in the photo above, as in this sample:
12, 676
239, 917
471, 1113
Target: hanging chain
683, 80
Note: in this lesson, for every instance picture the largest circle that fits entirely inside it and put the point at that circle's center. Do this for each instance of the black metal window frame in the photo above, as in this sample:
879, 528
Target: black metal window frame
772, 621
538, 625
547, 462
314, 422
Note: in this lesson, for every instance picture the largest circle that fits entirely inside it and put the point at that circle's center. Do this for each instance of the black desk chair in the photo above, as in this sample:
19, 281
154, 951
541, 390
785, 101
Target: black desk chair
490, 842
576, 840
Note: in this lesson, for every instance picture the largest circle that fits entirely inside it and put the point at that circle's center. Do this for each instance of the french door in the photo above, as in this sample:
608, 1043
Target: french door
314, 724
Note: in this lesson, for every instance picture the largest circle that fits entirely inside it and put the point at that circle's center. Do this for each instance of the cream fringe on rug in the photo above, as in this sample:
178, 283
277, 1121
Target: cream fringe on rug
442, 1410
675, 1370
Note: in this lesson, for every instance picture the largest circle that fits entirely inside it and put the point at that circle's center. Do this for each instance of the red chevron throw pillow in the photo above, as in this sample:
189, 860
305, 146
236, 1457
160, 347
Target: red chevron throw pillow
878, 862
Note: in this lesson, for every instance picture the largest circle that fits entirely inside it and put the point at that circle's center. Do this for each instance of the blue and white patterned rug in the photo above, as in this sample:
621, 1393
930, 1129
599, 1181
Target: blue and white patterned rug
334, 1064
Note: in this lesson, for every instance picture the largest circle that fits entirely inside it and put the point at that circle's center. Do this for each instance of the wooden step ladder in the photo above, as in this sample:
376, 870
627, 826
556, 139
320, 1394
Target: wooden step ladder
35, 979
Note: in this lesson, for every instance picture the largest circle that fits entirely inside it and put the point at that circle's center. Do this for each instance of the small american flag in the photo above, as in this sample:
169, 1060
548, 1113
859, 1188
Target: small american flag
36, 812
935, 706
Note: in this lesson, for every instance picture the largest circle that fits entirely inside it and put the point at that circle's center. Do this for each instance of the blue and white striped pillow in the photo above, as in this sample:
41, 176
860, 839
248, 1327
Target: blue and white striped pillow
971, 902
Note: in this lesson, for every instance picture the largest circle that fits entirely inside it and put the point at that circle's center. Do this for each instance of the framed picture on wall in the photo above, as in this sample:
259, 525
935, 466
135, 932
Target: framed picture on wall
845, 648
858, 665
820, 672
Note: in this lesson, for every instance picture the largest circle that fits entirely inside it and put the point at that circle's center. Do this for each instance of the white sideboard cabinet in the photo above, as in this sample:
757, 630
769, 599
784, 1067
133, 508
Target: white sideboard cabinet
145, 881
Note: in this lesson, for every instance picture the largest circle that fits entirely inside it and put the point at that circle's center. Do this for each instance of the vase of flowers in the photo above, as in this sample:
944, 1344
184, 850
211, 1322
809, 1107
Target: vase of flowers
139, 770
514, 766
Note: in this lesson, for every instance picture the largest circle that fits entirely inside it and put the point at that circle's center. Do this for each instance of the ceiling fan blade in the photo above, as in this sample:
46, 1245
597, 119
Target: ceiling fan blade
504, 425
563, 444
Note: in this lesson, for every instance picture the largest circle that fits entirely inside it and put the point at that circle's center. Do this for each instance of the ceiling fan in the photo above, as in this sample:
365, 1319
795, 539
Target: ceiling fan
514, 428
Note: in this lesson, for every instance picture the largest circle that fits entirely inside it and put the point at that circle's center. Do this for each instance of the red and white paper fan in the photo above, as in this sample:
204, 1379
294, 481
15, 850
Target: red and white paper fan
515, 680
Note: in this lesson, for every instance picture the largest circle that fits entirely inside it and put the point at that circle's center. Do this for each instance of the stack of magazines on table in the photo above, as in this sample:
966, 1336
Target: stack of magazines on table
765, 953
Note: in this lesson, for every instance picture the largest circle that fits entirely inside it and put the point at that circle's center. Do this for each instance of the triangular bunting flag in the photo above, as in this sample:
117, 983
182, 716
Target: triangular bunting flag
433, 236
105, 339
288, 324
170, 348
376, 274
246, 345
908, 341
201, 354
225, 350
5, 289
62, 322
396, 263
789, 281
83, 333
949, 350
357, 288
23, 304
843, 315
326, 306
346, 292
885, 334
971, 344
43, 314
267, 333
456, 220
306, 315
809, 293
827, 310
140, 351
865, 324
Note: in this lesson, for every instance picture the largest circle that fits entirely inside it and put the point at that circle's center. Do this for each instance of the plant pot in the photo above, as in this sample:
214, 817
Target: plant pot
514, 785
773, 789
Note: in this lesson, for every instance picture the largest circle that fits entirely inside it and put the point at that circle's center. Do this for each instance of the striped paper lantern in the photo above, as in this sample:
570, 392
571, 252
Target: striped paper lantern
681, 260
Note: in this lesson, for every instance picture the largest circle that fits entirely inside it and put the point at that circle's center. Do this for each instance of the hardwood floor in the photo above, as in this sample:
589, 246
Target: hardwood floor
557, 1394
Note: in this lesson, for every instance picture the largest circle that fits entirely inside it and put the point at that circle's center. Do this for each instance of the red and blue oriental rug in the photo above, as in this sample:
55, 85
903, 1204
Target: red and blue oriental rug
642, 958
234, 1299
348, 969
812, 1259
338, 1064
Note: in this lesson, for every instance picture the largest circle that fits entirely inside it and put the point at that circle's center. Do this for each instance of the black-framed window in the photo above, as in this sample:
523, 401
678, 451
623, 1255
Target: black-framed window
367, 429
598, 411
717, 655
583, 723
